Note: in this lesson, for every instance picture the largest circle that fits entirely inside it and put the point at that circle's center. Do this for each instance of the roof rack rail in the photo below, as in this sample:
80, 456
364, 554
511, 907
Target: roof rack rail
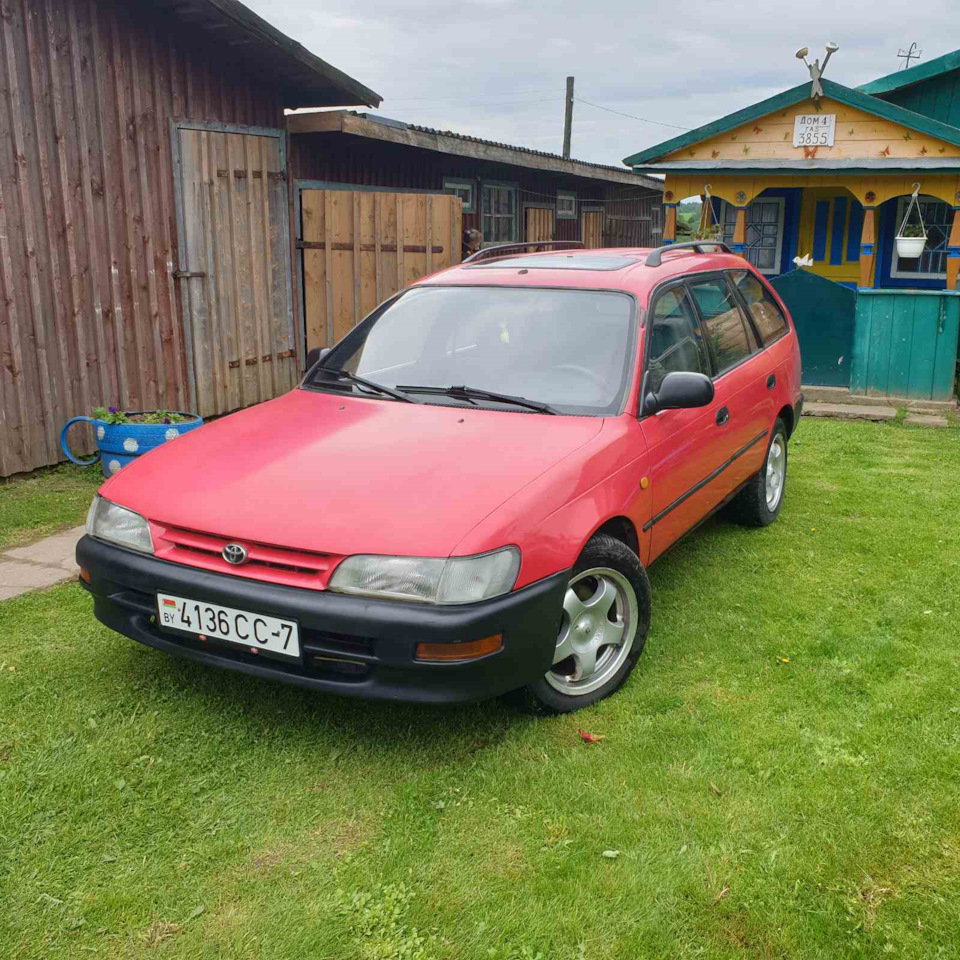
654, 257
503, 249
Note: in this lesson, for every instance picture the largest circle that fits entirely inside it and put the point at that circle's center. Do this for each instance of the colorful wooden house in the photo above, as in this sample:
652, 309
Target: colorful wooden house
829, 178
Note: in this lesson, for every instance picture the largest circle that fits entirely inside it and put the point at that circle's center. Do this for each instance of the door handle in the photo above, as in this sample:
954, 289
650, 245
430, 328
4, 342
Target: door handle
723, 415
771, 381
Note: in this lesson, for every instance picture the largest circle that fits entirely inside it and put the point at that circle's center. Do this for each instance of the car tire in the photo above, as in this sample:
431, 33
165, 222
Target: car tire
758, 503
608, 598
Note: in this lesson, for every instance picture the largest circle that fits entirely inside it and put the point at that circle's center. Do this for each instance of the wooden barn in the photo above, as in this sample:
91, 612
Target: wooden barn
839, 178
146, 258
360, 175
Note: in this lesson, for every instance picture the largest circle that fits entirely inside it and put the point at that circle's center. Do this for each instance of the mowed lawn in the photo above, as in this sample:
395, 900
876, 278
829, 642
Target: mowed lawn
780, 777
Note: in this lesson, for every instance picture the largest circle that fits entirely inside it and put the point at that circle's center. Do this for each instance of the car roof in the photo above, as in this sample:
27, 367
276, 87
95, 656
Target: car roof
613, 268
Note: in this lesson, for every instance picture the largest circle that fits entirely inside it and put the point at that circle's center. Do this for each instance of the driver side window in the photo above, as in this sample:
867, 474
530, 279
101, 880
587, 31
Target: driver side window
676, 343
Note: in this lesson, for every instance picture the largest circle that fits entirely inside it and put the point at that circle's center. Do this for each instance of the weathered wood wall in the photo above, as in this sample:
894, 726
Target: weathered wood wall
88, 304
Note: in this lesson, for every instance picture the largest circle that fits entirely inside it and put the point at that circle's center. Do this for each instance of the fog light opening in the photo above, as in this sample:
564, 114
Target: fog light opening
469, 650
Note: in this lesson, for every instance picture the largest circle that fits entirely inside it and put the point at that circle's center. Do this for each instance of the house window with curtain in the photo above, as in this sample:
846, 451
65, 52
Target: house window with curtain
932, 263
498, 213
764, 232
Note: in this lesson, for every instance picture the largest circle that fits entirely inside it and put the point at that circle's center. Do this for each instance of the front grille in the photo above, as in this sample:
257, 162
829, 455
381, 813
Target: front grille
294, 568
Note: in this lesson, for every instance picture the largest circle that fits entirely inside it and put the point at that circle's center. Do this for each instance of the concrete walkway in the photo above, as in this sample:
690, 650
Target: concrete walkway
40, 564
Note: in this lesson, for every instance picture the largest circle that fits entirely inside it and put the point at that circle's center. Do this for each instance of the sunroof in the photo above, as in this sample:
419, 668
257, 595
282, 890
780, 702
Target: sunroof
556, 261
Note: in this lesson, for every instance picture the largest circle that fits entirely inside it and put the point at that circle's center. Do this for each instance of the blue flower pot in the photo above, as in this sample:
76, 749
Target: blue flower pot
121, 443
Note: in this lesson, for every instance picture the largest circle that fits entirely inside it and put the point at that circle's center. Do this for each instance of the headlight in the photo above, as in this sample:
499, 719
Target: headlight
427, 580
107, 521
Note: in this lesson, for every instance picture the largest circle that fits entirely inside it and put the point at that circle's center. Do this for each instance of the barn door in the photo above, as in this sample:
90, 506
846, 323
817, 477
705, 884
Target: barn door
360, 247
234, 265
539, 224
592, 228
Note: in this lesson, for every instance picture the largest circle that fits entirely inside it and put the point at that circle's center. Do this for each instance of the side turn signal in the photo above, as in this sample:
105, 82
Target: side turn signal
470, 650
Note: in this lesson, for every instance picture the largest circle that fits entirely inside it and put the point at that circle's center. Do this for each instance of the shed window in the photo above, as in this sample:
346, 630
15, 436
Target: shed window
764, 232
566, 205
932, 263
498, 213
462, 189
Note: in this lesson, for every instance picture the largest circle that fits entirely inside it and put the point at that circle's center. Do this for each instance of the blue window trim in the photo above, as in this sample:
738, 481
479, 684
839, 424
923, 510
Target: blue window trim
820, 218
836, 230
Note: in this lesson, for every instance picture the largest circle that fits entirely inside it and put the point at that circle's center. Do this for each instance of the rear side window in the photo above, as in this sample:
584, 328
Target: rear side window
767, 316
725, 328
675, 339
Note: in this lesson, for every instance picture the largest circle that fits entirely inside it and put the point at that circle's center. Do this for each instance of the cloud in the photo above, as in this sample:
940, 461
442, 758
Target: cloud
496, 68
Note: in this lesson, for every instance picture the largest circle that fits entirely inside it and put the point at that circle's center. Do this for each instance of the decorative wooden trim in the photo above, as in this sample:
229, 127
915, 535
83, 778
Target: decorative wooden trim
832, 90
669, 223
740, 227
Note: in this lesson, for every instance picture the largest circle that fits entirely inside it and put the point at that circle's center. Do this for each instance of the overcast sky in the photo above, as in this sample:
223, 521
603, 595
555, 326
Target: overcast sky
496, 68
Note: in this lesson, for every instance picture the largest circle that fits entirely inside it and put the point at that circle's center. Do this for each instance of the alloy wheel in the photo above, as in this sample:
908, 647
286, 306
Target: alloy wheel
597, 633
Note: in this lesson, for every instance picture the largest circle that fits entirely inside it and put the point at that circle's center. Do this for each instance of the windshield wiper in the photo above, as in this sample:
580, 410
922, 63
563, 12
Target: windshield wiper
369, 384
475, 393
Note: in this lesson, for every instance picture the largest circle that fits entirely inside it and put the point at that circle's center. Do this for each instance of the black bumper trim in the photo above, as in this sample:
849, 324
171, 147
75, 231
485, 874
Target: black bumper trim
377, 636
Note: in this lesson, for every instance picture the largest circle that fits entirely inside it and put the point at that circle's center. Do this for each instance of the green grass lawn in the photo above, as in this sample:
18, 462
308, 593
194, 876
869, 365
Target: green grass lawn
780, 777
41, 503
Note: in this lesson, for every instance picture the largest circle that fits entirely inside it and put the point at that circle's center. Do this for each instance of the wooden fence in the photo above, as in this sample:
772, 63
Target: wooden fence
360, 247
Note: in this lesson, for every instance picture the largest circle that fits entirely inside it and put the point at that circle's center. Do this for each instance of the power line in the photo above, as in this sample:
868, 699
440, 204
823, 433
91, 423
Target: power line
620, 113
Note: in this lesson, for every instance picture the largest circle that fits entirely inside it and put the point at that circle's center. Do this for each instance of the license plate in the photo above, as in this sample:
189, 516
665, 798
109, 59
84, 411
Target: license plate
255, 631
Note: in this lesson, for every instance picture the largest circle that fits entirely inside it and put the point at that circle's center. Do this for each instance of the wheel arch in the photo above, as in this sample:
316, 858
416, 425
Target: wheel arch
620, 528
788, 417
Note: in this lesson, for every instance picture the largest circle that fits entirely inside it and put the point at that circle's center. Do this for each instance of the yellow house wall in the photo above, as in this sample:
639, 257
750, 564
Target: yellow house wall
857, 135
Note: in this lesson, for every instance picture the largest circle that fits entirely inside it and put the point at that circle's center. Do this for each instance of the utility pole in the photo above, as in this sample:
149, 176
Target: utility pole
568, 118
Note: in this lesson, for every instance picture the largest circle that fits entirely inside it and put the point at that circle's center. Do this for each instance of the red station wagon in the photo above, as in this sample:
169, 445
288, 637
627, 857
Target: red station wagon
461, 498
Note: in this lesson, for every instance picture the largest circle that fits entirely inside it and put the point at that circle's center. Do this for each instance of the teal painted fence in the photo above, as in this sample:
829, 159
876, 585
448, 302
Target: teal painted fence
905, 343
823, 313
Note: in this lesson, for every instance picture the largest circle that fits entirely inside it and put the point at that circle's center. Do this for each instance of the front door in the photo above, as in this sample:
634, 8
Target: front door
685, 446
539, 224
234, 265
592, 229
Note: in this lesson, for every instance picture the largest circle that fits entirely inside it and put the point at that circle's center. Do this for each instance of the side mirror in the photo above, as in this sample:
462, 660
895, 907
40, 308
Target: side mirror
316, 355
679, 390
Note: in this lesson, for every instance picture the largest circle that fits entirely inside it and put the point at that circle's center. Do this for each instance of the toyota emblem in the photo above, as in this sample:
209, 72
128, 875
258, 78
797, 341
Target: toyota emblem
234, 553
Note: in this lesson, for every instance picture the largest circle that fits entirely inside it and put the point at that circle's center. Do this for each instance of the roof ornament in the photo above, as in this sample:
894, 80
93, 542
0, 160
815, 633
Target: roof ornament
816, 71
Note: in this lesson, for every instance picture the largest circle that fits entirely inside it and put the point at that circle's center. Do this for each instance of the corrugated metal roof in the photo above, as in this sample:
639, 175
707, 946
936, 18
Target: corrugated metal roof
619, 172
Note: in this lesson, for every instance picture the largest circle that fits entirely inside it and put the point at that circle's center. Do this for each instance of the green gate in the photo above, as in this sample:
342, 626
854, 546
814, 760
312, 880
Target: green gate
824, 314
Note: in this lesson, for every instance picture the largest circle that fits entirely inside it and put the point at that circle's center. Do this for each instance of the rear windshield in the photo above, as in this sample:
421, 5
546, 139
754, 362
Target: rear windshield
570, 349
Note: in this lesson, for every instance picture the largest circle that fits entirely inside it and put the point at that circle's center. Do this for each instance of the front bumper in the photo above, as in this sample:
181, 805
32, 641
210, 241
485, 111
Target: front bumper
355, 646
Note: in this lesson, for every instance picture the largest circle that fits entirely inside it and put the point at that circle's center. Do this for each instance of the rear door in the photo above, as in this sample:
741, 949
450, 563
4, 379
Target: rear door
686, 447
742, 398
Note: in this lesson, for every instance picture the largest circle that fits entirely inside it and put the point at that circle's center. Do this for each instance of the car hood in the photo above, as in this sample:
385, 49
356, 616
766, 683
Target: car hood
341, 474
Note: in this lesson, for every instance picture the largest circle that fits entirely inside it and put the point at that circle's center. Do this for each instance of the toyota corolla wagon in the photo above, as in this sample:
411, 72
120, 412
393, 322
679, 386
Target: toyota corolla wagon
462, 497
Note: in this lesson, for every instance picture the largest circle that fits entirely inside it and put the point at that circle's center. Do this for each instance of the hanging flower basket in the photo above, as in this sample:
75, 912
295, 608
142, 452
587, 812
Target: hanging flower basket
909, 248
911, 237
123, 436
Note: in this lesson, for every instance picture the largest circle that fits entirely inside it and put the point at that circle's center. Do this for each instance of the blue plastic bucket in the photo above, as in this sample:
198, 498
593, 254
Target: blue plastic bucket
121, 443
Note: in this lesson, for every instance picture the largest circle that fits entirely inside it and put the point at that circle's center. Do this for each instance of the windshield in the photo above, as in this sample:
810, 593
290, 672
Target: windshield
569, 349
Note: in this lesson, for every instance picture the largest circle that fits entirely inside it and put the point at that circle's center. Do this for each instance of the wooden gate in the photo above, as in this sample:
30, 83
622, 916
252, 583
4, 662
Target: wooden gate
539, 223
823, 314
234, 270
352, 260
592, 228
